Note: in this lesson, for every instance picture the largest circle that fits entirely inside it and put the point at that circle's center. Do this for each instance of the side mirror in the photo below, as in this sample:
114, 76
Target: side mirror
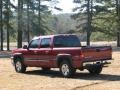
25, 47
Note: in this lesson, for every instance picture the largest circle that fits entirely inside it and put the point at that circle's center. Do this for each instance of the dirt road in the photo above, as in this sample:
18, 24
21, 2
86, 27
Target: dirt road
35, 79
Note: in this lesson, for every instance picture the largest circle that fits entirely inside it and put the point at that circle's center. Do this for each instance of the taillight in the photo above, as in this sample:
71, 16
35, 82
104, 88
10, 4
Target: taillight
81, 54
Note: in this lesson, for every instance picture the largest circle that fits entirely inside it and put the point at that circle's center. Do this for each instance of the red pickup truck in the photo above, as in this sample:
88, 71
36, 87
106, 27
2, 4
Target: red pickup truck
61, 51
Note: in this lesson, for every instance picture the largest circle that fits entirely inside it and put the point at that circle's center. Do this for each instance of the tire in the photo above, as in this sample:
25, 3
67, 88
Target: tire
45, 69
96, 69
66, 69
19, 66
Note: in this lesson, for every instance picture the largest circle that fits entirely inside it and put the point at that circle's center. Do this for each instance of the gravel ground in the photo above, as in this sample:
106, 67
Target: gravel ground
35, 79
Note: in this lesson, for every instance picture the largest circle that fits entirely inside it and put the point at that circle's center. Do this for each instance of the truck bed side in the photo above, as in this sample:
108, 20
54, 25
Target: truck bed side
97, 53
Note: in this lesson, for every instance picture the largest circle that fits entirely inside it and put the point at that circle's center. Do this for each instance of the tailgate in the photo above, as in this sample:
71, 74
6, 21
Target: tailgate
97, 53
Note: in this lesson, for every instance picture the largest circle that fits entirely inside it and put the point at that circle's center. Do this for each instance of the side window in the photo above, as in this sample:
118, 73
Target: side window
34, 44
45, 43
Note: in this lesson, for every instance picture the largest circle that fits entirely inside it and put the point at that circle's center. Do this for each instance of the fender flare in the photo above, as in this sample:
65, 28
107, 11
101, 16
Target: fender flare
18, 55
61, 57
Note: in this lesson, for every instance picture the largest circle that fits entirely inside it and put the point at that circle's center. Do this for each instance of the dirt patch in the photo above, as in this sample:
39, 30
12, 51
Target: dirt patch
35, 79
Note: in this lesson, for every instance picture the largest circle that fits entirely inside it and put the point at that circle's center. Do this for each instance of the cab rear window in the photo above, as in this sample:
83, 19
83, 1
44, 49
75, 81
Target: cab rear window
66, 41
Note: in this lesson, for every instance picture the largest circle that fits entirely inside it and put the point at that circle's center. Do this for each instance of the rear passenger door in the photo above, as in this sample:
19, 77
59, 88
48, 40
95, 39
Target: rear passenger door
45, 53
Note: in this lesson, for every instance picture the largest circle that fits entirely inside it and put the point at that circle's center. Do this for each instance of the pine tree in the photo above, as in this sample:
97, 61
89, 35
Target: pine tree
7, 3
102, 16
20, 23
1, 23
118, 22
86, 4
28, 20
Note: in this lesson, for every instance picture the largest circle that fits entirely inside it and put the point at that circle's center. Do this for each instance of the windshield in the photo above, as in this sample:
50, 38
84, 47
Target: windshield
66, 41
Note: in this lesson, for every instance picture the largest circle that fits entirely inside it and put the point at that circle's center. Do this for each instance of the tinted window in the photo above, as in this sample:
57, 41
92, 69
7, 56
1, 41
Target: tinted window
66, 41
34, 44
45, 43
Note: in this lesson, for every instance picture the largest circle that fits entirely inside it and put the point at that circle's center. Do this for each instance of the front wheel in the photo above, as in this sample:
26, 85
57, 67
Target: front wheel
66, 69
19, 66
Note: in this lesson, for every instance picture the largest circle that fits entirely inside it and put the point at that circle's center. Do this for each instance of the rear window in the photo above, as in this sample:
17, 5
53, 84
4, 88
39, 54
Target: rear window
45, 42
66, 41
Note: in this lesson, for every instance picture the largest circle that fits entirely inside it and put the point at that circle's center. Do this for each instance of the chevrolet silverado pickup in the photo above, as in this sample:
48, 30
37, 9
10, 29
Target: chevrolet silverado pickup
62, 51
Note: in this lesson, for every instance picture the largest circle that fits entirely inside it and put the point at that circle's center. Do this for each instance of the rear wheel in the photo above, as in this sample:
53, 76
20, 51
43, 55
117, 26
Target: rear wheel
19, 66
95, 69
66, 69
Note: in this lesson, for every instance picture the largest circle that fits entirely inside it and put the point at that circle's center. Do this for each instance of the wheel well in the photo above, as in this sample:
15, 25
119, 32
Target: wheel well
61, 59
17, 57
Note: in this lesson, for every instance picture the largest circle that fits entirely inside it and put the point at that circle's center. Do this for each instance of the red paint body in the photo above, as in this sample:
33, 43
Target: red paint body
48, 57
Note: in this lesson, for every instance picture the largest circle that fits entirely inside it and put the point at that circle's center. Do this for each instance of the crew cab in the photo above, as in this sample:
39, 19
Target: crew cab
62, 51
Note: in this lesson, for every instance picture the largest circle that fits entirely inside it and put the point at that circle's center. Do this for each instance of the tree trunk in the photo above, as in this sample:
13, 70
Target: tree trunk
118, 39
39, 16
88, 23
7, 21
28, 20
1, 24
20, 23
118, 22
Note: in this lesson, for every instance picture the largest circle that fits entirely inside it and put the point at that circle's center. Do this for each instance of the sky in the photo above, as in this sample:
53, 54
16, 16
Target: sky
66, 5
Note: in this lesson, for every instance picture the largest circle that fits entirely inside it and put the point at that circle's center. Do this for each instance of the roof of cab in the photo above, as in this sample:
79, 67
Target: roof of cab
51, 36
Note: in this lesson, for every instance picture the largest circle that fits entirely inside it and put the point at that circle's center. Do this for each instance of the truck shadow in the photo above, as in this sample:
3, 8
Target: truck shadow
84, 76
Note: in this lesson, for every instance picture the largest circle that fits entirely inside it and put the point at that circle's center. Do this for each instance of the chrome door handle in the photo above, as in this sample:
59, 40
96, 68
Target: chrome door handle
46, 52
35, 52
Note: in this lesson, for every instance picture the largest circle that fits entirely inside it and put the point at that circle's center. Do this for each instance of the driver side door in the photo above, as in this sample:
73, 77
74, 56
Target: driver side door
31, 55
